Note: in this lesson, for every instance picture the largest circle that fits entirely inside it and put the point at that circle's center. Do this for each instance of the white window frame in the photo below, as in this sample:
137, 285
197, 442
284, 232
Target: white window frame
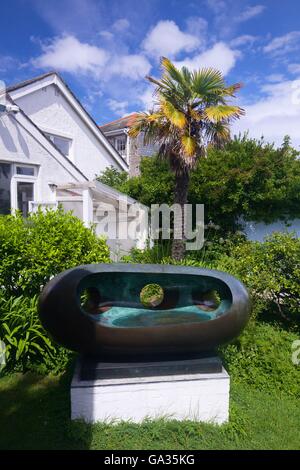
121, 138
53, 133
22, 179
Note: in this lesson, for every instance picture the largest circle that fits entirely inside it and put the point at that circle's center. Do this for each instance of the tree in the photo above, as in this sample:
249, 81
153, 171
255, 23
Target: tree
248, 179
112, 177
191, 112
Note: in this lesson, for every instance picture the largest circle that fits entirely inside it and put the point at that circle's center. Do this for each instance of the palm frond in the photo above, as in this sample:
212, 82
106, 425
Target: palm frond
189, 145
192, 111
221, 112
176, 117
207, 81
217, 134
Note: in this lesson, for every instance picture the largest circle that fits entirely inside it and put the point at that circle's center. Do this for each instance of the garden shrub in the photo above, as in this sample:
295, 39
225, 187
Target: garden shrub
247, 179
35, 249
32, 251
271, 271
214, 248
113, 177
27, 345
262, 357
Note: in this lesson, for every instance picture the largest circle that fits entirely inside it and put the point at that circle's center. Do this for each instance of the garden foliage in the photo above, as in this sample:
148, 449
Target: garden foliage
248, 179
35, 249
262, 355
32, 251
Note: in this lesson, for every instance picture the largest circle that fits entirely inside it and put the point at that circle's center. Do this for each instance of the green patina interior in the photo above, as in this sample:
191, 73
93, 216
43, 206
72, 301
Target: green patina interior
114, 299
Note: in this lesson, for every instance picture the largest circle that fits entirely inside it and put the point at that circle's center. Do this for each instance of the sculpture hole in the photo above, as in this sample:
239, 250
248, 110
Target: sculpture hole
152, 295
208, 301
89, 300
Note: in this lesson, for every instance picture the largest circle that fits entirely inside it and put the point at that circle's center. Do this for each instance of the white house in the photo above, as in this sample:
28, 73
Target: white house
132, 149
50, 152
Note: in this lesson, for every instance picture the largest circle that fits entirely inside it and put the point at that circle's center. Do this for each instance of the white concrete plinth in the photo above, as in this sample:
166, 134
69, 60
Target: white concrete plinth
197, 397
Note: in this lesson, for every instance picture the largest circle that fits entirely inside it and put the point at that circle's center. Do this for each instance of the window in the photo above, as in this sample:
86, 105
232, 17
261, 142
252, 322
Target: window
17, 184
62, 143
121, 144
25, 170
5, 179
24, 195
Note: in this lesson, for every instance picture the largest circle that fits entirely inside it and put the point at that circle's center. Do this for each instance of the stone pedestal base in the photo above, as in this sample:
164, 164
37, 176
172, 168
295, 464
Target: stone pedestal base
195, 389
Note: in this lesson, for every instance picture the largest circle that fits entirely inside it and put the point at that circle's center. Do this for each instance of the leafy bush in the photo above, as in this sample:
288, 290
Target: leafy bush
155, 185
113, 177
33, 250
248, 178
27, 343
214, 248
262, 357
271, 271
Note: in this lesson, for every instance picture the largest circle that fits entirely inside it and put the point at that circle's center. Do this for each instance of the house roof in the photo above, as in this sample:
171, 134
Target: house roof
56, 79
36, 132
18, 85
118, 124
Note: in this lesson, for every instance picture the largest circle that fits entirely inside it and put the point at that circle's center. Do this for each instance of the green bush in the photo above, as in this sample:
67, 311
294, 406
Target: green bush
32, 251
247, 178
214, 248
35, 249
27, 345
262, 357
271, 271
113, 177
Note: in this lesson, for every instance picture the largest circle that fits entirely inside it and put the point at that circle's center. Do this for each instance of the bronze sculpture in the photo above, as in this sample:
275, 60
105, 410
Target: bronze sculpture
199, 310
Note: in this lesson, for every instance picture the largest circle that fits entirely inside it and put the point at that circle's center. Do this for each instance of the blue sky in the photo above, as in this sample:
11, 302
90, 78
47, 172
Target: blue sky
104, 49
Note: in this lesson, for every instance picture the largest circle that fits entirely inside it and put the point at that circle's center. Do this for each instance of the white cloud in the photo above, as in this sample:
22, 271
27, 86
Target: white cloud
294, 68
147, 98
166, 39
243, 40
197, 26
275, 77
133, 66
283, 44
249, 12
7, 63
220, 56
274, 115
217, 6
229, 14
106, 35
68, 54
121, 25
118, 107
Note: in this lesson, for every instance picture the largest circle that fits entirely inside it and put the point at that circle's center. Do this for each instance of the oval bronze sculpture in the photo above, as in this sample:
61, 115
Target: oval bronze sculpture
114, 322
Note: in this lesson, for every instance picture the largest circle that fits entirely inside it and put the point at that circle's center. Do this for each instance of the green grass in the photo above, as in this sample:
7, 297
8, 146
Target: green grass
35, 415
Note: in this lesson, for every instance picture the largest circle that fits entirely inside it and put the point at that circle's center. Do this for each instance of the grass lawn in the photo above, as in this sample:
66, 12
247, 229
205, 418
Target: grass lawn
35, 415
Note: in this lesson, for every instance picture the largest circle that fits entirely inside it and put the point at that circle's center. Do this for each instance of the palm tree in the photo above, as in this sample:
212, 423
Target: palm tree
191, 111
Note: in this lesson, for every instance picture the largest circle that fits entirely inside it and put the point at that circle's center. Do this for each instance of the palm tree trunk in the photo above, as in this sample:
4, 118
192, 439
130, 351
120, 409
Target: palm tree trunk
181, 193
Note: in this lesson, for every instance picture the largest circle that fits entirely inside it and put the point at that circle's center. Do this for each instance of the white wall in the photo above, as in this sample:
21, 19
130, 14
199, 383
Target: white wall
17, 145
49, 110
257, 231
